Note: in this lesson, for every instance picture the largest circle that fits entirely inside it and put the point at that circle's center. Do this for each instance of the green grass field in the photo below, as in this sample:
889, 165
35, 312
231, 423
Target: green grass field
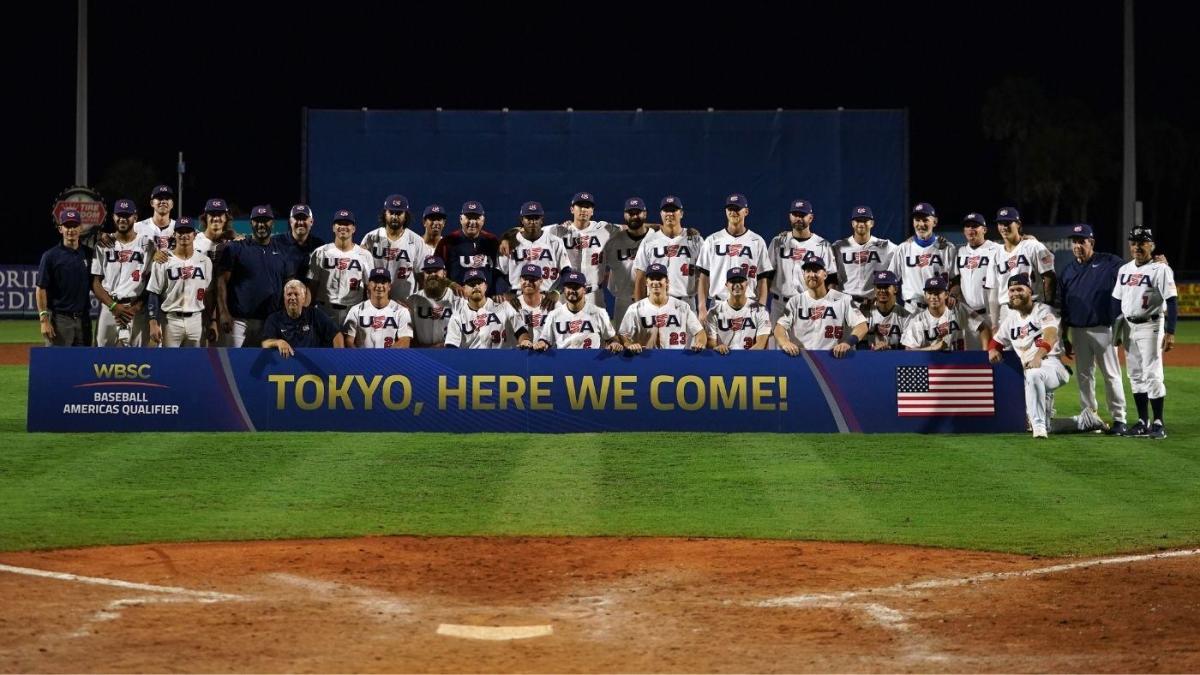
1077, 494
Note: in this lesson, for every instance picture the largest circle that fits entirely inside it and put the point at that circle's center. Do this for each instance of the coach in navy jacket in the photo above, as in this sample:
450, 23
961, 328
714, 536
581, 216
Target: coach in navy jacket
469, 247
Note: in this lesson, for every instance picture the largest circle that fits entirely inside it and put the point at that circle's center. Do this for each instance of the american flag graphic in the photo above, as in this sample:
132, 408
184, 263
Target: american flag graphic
938, 391
923, 259
377, 322
575, 326
343, 263
735, 250
799, 254
186, 272
673, 251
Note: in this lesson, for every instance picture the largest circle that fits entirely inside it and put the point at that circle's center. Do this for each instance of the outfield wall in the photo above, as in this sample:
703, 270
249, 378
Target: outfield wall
450, 390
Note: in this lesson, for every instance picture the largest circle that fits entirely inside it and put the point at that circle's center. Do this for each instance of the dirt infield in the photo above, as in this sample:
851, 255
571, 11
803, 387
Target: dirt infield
572, 605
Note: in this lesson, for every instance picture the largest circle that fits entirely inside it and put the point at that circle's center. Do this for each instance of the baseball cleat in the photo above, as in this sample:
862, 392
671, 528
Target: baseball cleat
1157, 431
1039, 431
1117, 429
1138, 430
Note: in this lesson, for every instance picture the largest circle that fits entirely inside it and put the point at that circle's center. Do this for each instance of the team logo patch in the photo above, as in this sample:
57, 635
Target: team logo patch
817, 314
734, 250
574, 326
737, 323
343, 263
923, 259
798, 254
480, 321
478, 260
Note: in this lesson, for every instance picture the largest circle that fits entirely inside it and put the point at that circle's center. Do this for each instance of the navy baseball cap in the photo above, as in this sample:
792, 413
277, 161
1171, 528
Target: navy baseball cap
574, 278
974, 218
397, 203
379, 274
736, 273
69, 216
531, 271
635, 204
474, 275
124, 207
185, 224
886, 278
469, 208
670, 203
532, 209
813, 263
738, 200
1019, 280
344, 216
1007, 215
434, 211
216, 205
1141, 234
161, 191
862, 213
583, 198
801, 206
657, 270
264, 212
433, 262
924, 209
1082, 231
301, 212
936, 283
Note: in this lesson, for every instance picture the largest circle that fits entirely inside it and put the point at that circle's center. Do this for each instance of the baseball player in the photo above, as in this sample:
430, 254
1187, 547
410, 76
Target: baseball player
788, 250
888, 318
217, 228
483, 323
177, 292
1146, 292
922, 256
1085, 291
1023, 256
672, 247
472, 248
396, 247
337, 272
119, 276
819, 318
1031, 330
378, 321
434, 220
62, 287
298, 324
976, 286
577, 323
531, 303
737, 323
432, 306
620, 256
733, 246
159, 226
941, 328
584, 240
861, 256
660, 321
534, 245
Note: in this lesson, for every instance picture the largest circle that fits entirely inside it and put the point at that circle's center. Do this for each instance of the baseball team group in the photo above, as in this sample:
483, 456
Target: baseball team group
539, 286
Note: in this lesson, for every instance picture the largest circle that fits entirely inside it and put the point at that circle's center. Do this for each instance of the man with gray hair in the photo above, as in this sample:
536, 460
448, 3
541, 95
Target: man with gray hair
299, 325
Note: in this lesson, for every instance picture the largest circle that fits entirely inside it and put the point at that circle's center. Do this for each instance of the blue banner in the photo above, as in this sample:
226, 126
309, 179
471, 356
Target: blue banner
517, 391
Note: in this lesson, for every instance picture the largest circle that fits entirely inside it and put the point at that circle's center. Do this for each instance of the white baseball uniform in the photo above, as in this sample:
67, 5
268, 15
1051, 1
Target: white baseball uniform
1029, 257
202, 244
820, 323
377, 327
913, 263
678, 254
787, 253
1022, 333
738, 328
161, 236
533, 317
1143, 291
181, 285
493, 326
589, 328
672, 325
620, 257
584, 248
431, 316
857, 264
887, 327
339, 278
547, 252
401, 257
124, 270
722, 250
952, 327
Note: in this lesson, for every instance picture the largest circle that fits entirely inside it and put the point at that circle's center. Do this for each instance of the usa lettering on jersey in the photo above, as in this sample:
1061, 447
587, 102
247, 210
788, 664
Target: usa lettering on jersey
187, 272
924, 260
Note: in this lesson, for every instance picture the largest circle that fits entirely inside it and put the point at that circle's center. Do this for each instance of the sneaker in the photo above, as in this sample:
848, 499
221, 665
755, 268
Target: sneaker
1157, 431
1117, 429
1039, 431
1138, 430
1090, 421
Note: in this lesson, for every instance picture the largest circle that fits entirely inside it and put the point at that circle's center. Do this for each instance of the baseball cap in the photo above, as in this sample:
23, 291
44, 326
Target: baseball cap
532, 209
433, 262
264, 212
379, 274
656, 270
301, 211
1007, 215
886, 278
1082, 231
69, 216
736, 273
216, 205
397, 203
862, 213
531, 271
1141, 234
1021, 279
974, 218
185, 224
670, 202
344, 216
635, 204
936, 283
924, 209
162, 191
813, 263
573, 278
434, 211
738, 200
474, 275
583, 198
469, 208
124, 207
801, 206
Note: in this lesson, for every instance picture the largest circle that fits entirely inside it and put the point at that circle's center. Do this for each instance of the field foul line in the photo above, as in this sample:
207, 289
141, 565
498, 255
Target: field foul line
203, 596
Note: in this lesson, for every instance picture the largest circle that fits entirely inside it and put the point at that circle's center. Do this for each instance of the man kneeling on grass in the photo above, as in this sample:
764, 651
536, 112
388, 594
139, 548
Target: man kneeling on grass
298, 325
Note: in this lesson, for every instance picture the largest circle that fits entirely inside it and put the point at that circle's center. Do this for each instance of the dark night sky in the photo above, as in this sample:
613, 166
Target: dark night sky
226, 83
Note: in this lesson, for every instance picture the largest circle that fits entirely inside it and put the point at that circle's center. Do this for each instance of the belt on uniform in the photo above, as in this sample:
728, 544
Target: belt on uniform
71, 315
181, 315
1143, 319
126, 301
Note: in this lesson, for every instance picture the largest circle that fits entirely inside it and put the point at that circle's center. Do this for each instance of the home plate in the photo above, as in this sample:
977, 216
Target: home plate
494, 632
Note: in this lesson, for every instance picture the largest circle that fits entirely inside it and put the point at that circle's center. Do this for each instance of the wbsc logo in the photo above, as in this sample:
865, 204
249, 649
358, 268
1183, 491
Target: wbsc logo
122, 371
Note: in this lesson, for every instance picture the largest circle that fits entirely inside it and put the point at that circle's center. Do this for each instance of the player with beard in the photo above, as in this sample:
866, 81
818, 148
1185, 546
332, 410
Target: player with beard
584, 240
432, 306
119, 276
395, 247
976, 285
472, 248
250, 277
620, 253
820, 317
483, 323
434, 220
577, 323
789, 249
